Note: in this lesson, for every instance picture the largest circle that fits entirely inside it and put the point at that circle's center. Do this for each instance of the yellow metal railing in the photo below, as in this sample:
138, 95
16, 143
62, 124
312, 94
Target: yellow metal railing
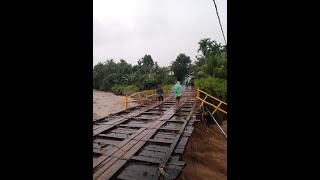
140, 96
204, 101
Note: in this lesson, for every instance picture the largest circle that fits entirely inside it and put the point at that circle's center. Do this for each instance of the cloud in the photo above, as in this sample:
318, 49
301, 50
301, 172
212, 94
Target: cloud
129, 29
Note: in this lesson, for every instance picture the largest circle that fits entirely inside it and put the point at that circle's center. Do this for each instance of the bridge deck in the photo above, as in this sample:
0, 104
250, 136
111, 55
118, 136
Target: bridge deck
143, 143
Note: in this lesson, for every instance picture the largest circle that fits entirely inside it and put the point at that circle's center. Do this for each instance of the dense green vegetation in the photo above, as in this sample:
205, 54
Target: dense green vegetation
181, 66
114, 76
210, 69
167, 87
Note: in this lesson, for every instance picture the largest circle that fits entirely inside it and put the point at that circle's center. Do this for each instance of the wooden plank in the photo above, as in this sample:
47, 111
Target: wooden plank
153, 154
184, 109
179, 151
163, 107
113, 121
96, 126
137, 123
152, 112
106, 141
180, 146
165, 135
179, 118
187, 134
138, 172
147, 117
101, 129
182, 113
172, 171
124, 130
132, 125
146, 159
162, 133
158, 140
189, 130
175, 120
98, 151
188, 106
156, 148
114, 135
178, 163
169, 128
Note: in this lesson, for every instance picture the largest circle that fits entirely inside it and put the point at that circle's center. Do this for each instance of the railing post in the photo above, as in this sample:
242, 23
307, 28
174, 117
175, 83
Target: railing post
198, 94
217, 108
126, 102
140, 99
203, 100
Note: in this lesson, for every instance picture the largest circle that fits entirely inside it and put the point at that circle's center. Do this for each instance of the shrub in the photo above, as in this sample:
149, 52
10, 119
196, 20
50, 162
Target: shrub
214, 86
201, 74
108, 82
167, 87
169, 79
130, 88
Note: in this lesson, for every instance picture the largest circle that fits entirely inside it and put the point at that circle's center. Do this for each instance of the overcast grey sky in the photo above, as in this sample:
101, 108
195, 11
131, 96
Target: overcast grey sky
129, 29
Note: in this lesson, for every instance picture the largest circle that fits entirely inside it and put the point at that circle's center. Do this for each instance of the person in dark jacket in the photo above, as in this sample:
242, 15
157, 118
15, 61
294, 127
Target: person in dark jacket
160, 97
160, 93
192, 83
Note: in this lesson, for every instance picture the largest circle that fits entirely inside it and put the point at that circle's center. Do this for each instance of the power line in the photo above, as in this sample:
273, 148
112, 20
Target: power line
215, 5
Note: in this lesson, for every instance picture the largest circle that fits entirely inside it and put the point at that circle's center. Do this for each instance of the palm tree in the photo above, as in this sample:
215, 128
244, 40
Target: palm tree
216, 64
203, 46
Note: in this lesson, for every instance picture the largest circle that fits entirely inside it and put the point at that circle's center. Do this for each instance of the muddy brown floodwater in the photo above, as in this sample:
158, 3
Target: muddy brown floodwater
106, 103
206, 153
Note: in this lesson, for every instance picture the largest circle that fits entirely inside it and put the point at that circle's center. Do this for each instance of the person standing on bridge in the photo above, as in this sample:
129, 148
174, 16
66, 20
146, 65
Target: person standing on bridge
186, 83
177, 92
160, 93
192, 83
160, 96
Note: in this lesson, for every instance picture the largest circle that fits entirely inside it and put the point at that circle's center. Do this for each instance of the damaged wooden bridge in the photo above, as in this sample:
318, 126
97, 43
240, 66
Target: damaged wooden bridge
146, 142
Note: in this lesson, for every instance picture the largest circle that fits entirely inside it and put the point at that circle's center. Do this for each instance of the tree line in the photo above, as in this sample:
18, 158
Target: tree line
210, 70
